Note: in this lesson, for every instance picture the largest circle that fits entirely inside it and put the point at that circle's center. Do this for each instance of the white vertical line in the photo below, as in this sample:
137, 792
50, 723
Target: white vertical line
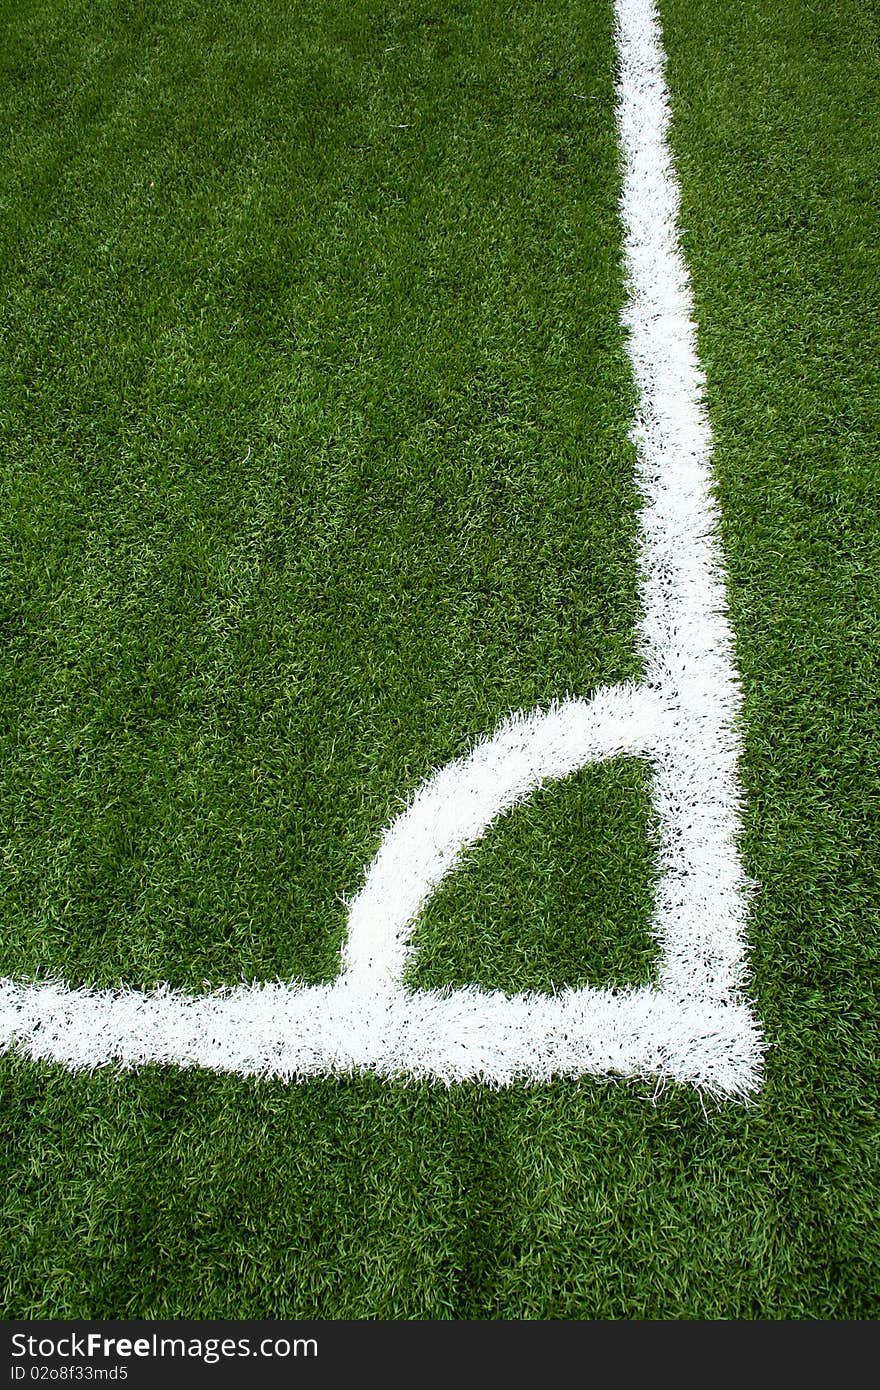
687, 640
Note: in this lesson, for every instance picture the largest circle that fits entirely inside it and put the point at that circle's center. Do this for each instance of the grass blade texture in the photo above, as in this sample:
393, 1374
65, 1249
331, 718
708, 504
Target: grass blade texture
315, 408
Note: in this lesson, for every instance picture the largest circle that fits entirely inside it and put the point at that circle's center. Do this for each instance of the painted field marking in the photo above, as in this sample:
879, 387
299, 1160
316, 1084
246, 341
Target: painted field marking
696, 1025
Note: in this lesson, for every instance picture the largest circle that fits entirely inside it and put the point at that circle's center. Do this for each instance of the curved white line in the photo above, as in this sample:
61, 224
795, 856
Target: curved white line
457, 804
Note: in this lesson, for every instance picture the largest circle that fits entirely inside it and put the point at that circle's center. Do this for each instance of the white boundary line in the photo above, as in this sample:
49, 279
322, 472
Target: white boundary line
696, 1026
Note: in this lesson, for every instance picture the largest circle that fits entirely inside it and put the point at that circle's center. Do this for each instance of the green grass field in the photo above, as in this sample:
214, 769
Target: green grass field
315, 410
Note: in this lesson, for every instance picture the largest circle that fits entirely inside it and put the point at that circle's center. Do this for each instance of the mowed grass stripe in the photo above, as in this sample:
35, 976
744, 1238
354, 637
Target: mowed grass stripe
316, 409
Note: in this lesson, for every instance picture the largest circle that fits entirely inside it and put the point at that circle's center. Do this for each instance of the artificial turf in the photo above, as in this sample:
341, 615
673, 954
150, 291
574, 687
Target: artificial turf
318, 415
315, 413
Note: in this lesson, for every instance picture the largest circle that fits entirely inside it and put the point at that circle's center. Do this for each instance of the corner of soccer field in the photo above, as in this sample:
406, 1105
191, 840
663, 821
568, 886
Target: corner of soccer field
319, 379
